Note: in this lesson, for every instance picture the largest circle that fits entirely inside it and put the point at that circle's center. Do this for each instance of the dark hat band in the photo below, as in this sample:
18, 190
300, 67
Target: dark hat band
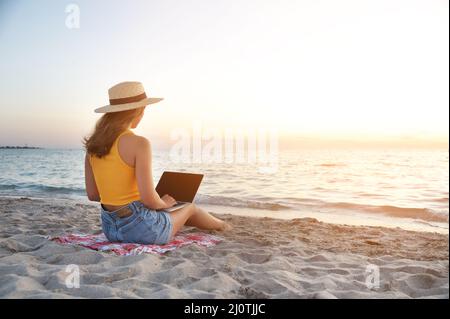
127, 100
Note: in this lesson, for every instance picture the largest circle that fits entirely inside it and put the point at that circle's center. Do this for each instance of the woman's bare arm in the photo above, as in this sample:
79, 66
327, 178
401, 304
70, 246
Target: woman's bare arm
91, 187
143, 168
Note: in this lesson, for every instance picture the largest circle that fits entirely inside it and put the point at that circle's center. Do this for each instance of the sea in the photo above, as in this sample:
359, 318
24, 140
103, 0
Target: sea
375, 187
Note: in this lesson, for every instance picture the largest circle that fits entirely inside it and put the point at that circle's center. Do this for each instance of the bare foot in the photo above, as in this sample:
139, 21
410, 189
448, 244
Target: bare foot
225, 226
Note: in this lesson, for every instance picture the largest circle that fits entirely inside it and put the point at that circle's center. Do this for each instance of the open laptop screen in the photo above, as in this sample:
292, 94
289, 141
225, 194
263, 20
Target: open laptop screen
181, 186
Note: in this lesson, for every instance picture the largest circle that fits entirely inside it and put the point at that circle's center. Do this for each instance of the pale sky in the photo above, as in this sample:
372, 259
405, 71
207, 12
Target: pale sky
326, 69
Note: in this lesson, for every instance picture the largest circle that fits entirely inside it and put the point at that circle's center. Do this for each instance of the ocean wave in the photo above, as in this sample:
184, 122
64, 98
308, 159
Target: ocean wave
40, 188
331, 164
258, 202
234, 202
8, 187
441, 200
394, 211
273, 204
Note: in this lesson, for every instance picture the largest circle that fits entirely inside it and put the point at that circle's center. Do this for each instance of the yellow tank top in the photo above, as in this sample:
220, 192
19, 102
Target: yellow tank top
115, 179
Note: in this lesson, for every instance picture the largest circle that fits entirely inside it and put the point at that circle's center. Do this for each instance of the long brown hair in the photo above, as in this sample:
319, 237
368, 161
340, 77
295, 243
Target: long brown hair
107, 129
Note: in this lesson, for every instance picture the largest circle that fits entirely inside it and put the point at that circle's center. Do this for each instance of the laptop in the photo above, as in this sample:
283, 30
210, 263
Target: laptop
181, 186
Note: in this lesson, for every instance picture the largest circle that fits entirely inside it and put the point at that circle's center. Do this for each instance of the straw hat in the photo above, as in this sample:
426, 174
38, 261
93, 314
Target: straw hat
127, 96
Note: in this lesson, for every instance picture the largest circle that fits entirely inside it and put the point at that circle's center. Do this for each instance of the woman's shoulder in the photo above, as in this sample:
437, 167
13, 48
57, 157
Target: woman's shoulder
132, 145
138, 140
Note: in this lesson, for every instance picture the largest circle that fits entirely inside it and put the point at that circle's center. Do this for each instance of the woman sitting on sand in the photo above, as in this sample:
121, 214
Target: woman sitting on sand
118, 174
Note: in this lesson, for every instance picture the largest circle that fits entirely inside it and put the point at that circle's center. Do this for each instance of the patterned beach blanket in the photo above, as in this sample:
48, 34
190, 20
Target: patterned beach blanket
100, 243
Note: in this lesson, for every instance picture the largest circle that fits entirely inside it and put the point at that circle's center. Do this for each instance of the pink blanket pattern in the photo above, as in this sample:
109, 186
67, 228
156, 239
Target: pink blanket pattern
100, 243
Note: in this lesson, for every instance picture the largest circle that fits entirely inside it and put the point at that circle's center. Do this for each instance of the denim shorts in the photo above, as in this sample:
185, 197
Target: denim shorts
144, 226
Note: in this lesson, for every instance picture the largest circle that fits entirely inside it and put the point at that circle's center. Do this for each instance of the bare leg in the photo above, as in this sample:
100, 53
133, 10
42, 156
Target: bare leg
204, 220
191, 215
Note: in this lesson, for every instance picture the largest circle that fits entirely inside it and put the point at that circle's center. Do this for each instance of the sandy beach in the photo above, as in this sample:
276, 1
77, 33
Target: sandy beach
259, 258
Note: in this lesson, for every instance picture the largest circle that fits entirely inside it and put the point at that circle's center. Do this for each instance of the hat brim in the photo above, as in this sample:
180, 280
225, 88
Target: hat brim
127, 106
